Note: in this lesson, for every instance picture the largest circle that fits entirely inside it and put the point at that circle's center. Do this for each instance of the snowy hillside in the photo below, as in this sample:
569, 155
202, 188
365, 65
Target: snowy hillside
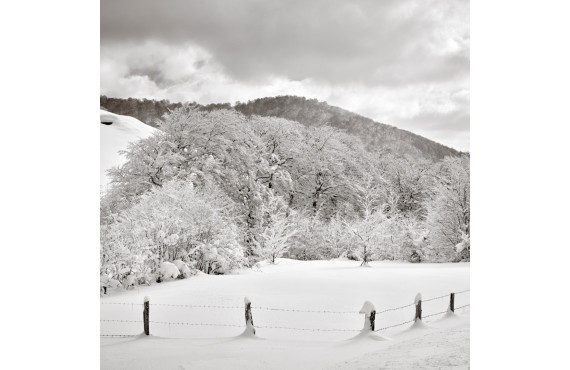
116, 136
306, 315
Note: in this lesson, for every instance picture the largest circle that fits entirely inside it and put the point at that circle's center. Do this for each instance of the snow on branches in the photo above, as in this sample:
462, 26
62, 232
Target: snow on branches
216, 191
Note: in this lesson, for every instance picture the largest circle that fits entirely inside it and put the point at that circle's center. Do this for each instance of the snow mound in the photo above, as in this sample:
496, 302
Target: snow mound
448, 316
418, 325
183, 267
367, 335
169, 270
116, 132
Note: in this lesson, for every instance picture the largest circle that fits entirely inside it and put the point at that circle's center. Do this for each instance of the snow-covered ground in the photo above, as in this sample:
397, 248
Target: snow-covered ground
339, 286
115, 137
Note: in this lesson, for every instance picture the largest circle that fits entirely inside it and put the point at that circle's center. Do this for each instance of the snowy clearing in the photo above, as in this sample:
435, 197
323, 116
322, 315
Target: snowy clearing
339, 287
116, 136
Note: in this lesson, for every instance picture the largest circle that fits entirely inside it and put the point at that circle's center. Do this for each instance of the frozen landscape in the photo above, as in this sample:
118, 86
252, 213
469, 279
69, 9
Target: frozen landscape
176, 229
280, 295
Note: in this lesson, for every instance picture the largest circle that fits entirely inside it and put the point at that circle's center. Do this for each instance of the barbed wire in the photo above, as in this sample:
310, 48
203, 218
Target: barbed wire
193, 324
196, 306
433, 299
311, 311
395, 308
285, 309
433, 314
268, 327
439, 313
302, 329
393, 326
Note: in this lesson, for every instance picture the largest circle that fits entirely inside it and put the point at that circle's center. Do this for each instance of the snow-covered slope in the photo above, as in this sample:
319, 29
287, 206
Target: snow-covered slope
115, 137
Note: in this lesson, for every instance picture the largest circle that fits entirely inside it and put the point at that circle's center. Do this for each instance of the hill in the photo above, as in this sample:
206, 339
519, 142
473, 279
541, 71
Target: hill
116, 132
375, 135
310, 112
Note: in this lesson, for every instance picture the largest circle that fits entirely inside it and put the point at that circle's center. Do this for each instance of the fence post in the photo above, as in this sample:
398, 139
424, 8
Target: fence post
418, 303
369, 315
146, 315
452, 302
249, 327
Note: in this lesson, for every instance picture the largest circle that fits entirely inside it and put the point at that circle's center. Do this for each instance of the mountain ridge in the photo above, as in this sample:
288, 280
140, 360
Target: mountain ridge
376, 136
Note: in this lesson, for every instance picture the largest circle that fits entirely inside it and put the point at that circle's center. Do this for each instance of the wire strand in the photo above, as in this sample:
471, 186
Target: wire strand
302, 329
433, 299
195, 306
310, 311
393, 326
396, 308
193, 324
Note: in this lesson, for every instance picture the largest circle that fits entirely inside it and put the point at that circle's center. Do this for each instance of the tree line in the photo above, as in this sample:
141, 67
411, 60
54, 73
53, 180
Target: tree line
309, 112
219, 190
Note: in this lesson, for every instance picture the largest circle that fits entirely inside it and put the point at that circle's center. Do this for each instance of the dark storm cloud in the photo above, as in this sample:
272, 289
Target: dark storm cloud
371, 42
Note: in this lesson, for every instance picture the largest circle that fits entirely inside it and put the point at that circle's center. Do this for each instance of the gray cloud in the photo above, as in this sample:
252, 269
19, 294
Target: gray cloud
398, 62
387, 42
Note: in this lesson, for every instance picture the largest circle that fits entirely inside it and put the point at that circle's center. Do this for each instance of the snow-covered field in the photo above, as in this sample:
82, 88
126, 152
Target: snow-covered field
339, 286
115, 137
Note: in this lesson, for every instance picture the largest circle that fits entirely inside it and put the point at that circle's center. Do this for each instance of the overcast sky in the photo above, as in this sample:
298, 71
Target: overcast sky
404, 63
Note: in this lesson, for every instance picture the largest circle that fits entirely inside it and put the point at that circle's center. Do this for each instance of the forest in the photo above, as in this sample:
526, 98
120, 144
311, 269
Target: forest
310, 112
216, 190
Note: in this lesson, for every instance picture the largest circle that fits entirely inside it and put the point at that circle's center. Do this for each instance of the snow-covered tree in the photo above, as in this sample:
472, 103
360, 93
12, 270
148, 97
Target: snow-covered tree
277, 228
337, 237
463, 249
211, 189
448, 218
407, 238
150, 162
177, 221
407, 184
309, 243
370, 229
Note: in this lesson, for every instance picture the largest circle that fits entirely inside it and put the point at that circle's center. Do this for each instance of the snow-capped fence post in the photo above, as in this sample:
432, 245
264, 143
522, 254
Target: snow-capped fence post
452, 302
369, 315
418, 303
249, 327
146, 315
